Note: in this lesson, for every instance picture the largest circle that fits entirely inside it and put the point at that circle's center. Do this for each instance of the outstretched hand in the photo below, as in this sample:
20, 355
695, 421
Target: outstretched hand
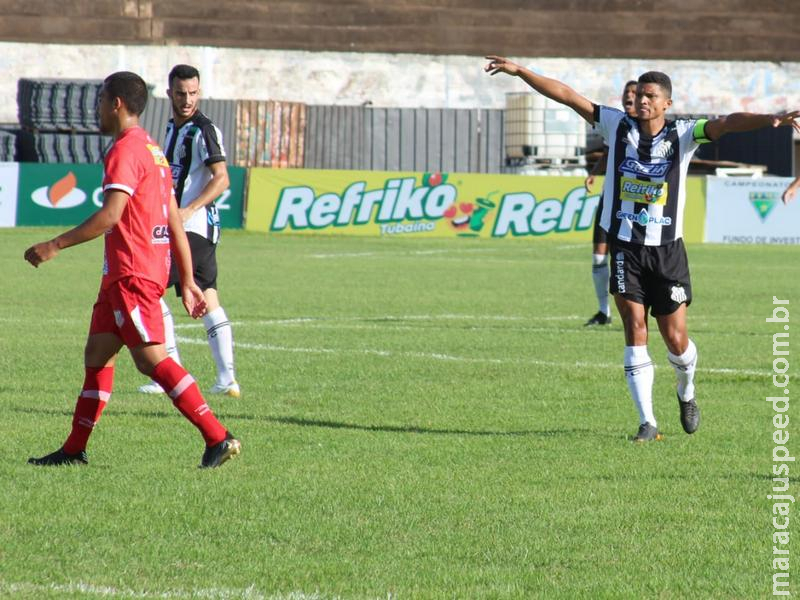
787, 118
193, 300
498, 64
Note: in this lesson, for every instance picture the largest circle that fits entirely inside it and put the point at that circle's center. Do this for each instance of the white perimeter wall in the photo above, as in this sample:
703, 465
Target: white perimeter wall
402, 80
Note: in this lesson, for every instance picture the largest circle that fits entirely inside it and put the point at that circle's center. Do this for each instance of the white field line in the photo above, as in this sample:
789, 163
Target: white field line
409, 253
448, 357
388, 318
250, 593
425, 355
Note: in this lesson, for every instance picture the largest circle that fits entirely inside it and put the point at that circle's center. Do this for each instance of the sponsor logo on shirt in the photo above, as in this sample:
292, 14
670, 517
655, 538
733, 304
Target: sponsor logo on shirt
158, 155
637, 167
643, 218
160, 235
636, 190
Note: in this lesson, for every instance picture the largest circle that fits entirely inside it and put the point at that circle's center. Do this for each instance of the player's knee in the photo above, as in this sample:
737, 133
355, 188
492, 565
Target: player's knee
144, 366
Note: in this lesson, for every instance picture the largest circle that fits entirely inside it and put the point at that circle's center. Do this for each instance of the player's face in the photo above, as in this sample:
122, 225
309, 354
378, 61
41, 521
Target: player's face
184, 94
105, 112
651, 102
629, 100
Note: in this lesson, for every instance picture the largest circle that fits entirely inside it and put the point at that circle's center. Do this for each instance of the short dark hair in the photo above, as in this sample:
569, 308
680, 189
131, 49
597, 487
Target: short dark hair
630, 83
659, 78
128, 87
182, 72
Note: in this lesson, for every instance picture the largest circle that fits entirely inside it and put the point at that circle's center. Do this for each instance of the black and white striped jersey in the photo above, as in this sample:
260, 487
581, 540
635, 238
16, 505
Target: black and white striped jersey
190, 149
644, 193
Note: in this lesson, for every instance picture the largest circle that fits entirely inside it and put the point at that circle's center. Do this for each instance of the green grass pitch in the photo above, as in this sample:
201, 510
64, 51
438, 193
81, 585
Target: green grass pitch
419, 419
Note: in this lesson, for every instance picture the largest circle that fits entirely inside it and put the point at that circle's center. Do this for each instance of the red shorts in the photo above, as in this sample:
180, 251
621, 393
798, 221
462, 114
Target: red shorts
130, 309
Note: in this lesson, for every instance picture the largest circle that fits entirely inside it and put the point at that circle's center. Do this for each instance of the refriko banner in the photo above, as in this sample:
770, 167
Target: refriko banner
9, 177
67, 194
379, 203
750, 211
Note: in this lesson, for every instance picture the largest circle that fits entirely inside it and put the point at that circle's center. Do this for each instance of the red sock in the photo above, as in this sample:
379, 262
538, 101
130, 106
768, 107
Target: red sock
187, 398
96, 391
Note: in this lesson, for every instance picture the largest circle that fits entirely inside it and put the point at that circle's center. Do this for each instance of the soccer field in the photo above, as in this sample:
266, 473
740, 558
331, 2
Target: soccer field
419, 419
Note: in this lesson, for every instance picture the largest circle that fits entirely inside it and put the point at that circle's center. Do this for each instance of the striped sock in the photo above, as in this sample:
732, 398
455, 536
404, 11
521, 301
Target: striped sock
186, 396
96, 391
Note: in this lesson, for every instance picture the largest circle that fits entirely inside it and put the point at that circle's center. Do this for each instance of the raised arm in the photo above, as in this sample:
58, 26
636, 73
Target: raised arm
743, 121
551, 88
104, 219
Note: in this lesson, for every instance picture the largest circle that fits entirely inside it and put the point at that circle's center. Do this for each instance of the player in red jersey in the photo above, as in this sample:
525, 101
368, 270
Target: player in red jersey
140, 220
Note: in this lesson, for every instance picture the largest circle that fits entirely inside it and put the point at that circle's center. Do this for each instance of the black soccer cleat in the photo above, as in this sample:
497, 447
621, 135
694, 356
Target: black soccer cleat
648, 433
690, 415
600, 318
59, 458
216, 455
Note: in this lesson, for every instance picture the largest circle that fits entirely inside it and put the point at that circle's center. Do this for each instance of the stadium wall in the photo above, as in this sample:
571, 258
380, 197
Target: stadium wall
678, 29
397, 81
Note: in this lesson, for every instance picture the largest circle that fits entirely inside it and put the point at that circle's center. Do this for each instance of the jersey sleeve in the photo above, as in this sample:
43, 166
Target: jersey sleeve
606, 119
209, 144
692, 133
120, 171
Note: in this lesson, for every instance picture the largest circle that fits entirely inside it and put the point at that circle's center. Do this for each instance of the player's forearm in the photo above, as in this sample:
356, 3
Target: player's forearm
743, 121
213, 190
91, 228
181, 253
552, 88
558, 91
179, 244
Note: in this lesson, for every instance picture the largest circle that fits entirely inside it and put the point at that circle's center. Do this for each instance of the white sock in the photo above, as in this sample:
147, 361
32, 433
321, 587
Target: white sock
640, 373
220, 340
684, 366
600, 279
169, 332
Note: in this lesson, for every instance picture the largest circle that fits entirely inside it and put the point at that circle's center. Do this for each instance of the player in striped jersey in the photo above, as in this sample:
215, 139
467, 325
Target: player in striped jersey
644, 197
599, 235
196, 155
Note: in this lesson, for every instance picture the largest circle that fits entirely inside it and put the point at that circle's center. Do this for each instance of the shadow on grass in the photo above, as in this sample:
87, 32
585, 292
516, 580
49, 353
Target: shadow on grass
328, 424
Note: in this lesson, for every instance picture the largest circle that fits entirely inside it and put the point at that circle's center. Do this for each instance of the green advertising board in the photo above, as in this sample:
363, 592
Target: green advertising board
67, 194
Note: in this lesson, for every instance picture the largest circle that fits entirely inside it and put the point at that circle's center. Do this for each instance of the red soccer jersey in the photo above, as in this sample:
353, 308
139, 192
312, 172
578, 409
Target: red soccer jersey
138, 245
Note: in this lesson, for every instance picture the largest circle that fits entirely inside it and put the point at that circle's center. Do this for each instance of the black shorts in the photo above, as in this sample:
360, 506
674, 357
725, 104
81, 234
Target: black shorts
599, 235
204, 263
656, 276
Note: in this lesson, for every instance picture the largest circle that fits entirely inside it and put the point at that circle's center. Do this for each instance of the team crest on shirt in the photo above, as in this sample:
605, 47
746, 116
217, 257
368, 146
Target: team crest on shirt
158, 155
663, 150
678, 294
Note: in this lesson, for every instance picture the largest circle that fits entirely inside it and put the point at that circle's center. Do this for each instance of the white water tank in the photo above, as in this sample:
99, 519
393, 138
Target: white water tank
539, 128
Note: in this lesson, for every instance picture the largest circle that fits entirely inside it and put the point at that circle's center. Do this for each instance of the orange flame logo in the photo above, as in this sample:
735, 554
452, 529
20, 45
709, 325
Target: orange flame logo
61, 188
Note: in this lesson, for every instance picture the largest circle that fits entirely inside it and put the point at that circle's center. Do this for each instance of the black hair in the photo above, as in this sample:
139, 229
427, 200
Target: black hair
128, 87
630, 83
183, 72
659, 78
